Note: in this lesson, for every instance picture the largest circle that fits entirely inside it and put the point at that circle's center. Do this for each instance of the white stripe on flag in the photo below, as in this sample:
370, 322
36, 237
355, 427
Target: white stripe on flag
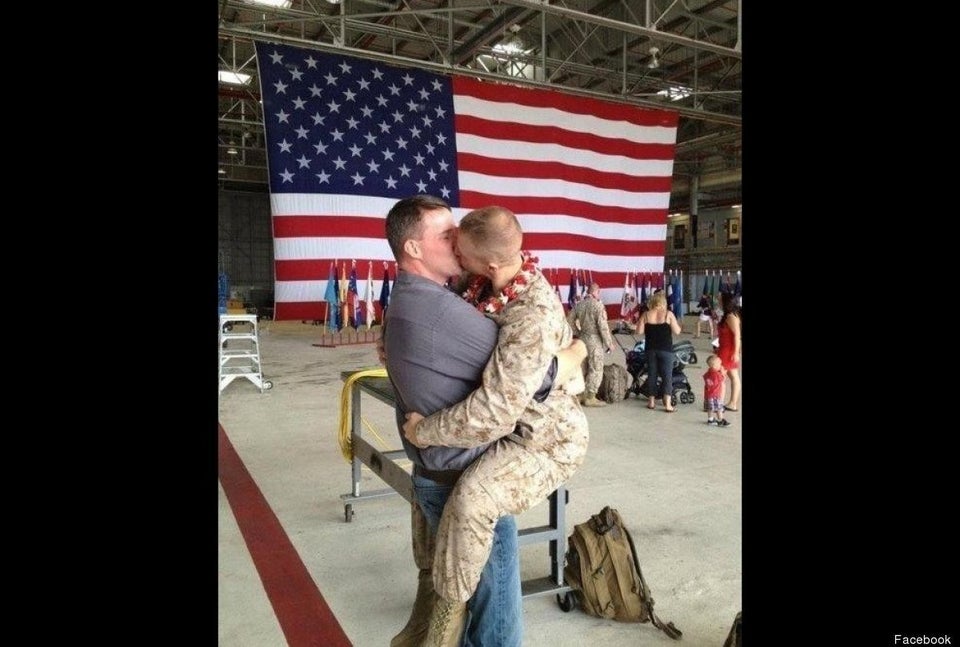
536, 188
535, 152
327, 204
298, 290
599, 263
549, 224
590, 124
305, 249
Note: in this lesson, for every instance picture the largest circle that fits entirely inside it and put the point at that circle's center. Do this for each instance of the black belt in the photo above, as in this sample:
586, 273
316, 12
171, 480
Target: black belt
443, 477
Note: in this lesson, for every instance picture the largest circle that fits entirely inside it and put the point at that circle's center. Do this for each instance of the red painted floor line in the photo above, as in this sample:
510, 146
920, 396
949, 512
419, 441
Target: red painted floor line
304, 616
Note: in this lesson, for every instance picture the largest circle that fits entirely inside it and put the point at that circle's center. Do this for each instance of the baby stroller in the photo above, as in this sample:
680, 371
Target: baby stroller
637, 368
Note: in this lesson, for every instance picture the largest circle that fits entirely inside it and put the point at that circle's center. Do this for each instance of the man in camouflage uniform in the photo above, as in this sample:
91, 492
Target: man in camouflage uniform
589, 322
524, 466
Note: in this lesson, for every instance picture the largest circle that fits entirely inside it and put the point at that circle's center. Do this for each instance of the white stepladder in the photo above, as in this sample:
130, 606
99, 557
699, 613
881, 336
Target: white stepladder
239, 354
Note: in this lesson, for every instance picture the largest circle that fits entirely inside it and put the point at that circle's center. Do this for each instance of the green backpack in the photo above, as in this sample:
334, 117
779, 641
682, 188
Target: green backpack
614, 383
604, 572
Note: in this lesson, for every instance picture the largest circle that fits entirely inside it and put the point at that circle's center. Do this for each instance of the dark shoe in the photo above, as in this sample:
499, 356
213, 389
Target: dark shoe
723, 423
726, 408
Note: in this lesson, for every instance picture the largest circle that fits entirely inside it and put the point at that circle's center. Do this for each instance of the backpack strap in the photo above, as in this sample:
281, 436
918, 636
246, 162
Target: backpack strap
667, 628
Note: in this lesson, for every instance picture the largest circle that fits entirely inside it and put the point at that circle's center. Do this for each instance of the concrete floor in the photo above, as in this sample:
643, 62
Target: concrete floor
675, 480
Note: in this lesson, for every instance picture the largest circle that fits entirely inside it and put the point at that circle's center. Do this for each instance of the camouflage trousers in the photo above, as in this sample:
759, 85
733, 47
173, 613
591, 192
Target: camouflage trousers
424, 543
596, 353
512, 476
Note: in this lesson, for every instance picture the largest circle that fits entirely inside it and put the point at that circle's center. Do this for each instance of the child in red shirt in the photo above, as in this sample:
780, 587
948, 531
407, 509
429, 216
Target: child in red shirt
713, 381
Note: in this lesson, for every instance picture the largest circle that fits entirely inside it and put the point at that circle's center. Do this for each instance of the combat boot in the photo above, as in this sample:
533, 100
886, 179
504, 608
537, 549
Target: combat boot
446, 624
415, 632
590, 400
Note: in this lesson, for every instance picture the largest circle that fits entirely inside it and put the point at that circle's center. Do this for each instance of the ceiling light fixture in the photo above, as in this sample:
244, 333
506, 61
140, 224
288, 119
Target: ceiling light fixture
675, 92
233, 78
654, 58
232, 150
283, 4
512, 45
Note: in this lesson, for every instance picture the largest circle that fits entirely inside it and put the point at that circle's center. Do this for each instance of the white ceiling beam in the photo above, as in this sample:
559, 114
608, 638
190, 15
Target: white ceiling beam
630, 28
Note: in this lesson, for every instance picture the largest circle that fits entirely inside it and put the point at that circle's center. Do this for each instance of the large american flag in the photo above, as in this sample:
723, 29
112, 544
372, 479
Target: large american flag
348, 137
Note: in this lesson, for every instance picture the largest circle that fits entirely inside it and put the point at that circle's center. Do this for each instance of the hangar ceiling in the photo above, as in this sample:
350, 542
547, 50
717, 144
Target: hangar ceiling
681, 55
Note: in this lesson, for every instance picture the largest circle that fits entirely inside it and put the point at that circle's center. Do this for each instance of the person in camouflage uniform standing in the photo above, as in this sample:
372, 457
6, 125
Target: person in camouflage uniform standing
550, 442
589, 322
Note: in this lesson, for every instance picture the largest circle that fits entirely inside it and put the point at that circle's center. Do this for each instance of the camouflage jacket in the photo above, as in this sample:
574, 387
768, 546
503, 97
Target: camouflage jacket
589, 322
533, 328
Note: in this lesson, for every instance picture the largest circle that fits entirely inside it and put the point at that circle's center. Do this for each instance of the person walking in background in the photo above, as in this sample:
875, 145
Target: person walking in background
713, 380
729, 348
658, 325
706, 314
589, 322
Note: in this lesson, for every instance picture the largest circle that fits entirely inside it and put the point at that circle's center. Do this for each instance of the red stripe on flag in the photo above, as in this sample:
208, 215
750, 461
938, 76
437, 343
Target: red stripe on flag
324, 226
307, 270
559, 171
605, 279
304, 616
521, 205
602, 246
613, 311
314, 269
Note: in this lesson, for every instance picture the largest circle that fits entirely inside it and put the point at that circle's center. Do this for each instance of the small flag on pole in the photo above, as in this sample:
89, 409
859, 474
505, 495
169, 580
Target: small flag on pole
572, 295
384, 292
368, 312
344, 298
353, 294
332, 299
625, 303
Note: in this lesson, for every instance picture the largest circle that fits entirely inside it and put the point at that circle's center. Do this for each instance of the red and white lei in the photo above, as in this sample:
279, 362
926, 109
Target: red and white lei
518, 285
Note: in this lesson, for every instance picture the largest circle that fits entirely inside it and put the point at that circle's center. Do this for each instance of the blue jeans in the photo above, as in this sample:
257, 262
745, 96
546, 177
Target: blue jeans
496, 609
660, 362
